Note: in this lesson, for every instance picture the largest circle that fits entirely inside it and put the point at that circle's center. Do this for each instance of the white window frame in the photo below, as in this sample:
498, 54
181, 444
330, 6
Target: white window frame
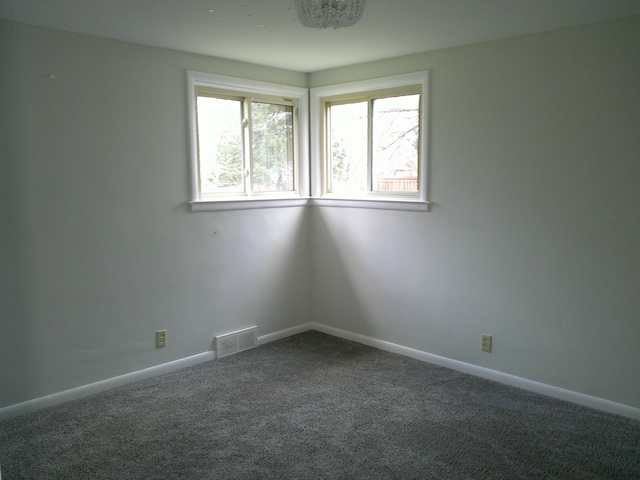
301, 123
397, 201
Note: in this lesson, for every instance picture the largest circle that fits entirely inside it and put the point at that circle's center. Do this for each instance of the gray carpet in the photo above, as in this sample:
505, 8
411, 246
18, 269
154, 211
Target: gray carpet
319, 407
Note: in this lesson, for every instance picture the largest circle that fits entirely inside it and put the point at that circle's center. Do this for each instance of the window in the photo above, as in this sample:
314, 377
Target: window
248, 143
245, 145
372, 145
370, 139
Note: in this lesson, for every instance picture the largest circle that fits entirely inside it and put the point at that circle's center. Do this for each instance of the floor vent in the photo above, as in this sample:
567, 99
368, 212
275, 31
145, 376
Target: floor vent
235, 342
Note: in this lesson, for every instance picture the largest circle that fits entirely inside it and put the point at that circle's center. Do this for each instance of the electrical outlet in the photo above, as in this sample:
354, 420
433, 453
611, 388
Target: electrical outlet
486, 343
161, 338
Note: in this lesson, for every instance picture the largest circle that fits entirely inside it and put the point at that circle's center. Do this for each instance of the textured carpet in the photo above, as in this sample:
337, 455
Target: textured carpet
316, 406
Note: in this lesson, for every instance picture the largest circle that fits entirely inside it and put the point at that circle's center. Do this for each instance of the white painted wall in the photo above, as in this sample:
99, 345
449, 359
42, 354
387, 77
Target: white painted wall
534, 236
98, 247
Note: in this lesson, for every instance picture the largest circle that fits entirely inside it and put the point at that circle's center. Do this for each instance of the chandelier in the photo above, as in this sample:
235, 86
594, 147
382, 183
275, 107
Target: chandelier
329, 13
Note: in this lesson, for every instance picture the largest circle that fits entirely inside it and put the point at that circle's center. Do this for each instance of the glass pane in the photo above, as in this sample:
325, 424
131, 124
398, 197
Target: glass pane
348, 148
396, 128
272, 147
220, 146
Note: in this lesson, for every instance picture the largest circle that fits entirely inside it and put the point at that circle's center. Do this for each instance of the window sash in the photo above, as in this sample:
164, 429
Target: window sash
328, 153
208, 149
286, 152
248, 161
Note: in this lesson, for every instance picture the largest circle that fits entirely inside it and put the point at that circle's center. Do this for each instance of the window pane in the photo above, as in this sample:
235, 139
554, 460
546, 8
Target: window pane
272, 147
348, 148
395, 143
220, 146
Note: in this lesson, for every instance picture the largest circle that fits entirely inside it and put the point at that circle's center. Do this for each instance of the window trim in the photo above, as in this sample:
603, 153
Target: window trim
318, 97
236, 85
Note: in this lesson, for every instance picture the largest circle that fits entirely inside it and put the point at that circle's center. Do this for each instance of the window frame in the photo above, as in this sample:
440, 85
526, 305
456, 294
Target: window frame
383, 87
234, 86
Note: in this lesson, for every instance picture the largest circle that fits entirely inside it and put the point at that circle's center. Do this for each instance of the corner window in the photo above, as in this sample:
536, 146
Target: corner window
247, 143
372, 146
369, 142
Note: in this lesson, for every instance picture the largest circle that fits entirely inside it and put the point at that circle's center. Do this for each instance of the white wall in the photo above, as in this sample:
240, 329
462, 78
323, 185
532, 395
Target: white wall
534, 236
98, 248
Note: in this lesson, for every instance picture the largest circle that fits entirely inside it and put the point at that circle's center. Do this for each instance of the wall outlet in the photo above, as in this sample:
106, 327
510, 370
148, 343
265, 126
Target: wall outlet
486, 343
161, 338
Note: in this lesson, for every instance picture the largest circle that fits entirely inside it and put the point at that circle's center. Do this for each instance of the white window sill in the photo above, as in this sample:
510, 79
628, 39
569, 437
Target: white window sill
409, 205
219, 205
222, 204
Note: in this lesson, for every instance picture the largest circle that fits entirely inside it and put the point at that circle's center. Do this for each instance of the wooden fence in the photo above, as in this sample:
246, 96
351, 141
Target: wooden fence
398, 184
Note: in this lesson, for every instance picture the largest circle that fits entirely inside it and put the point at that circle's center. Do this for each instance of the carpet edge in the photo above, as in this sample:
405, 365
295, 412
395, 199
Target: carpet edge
571, 396
500, 377
101, 386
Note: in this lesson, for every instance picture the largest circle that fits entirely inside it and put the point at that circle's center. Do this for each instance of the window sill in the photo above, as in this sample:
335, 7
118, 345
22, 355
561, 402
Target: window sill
223, 204
372, 203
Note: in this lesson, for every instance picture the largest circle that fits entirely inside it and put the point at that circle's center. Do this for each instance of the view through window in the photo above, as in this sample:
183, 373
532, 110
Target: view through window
256, 144
245, 145
373, 145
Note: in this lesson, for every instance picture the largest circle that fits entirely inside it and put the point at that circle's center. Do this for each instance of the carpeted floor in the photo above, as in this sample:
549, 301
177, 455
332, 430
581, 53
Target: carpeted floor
313, 406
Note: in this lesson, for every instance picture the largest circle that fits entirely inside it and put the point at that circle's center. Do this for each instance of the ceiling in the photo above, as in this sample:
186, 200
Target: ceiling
267, 32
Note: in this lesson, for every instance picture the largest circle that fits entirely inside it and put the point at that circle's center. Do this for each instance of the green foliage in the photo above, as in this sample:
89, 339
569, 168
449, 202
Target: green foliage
227, 171
272, 128
271, 151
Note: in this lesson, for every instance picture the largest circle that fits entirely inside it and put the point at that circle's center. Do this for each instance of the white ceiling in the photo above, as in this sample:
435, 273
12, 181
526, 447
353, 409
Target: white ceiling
267, 31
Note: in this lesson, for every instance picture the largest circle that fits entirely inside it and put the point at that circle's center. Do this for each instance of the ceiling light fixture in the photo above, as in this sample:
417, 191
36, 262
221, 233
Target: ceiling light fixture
329, 13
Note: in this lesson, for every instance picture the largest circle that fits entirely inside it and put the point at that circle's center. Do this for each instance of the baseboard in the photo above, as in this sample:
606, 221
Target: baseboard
271, 337
101, 386
512, 380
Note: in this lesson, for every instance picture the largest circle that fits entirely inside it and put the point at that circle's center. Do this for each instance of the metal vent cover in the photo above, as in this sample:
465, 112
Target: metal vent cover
234, 342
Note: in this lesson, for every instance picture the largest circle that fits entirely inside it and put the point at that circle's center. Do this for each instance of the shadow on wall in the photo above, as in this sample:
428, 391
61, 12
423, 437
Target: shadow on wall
18, 357
368, 269
277, 281
257, 269
337, 301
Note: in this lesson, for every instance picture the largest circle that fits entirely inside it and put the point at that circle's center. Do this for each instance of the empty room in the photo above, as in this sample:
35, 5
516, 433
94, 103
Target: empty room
320, 239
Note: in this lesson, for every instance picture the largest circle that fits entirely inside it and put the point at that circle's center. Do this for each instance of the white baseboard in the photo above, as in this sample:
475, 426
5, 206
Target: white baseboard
271, 337
101, 386
512, 380
505, 378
